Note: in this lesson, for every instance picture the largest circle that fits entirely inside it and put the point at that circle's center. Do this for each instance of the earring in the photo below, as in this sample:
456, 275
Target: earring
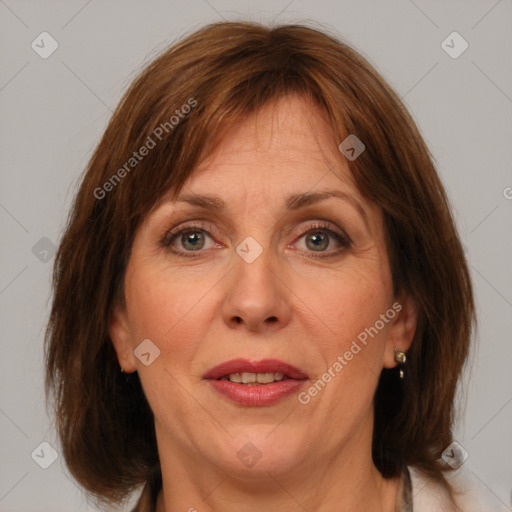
401, 359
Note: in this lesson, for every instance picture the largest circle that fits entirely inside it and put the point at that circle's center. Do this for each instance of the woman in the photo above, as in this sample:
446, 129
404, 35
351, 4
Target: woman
260, 298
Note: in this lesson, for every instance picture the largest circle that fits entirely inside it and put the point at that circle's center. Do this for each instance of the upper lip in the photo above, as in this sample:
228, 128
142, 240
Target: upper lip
263, 366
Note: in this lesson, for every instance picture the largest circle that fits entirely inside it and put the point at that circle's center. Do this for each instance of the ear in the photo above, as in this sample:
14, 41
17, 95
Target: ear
402, 330
120, 335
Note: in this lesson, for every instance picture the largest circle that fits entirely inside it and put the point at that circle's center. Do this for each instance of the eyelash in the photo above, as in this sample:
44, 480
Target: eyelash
168, 238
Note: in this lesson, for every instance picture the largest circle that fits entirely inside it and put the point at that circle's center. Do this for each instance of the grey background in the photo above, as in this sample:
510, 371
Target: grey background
54, 110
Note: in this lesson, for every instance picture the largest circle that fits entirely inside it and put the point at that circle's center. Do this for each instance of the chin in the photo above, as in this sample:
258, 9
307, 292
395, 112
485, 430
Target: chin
254, 453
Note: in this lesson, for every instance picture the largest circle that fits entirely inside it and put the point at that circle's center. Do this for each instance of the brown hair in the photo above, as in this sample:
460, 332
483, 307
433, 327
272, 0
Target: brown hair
224, 72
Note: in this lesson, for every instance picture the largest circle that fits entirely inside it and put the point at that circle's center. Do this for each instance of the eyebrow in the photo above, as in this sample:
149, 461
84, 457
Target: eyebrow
293, 202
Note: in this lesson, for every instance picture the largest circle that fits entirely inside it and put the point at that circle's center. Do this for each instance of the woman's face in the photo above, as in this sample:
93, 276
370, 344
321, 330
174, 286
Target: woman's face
290, 274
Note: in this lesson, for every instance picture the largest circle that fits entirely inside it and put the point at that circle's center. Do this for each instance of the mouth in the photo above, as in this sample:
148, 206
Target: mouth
255, 384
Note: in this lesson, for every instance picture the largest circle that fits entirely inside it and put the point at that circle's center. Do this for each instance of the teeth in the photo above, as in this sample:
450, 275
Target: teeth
265, 378
249, 378
255, 378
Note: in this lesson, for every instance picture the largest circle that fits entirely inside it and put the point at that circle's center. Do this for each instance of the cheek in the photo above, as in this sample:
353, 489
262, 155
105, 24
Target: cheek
341, 393
351, 338
158, 300
167, 309
348, 303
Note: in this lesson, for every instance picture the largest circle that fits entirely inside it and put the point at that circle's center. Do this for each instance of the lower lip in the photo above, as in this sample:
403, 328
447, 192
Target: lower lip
257, 395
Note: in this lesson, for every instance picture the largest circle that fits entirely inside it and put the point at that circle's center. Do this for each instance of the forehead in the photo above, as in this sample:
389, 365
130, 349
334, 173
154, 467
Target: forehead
286, 145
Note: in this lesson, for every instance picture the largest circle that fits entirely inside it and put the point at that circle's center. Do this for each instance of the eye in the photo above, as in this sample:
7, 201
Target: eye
321, 237
189, 239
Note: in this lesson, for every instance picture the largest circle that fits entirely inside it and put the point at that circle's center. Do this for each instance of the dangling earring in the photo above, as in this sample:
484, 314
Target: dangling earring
400, 358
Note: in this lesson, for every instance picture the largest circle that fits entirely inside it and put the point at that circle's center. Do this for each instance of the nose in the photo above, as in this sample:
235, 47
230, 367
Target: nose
257, 298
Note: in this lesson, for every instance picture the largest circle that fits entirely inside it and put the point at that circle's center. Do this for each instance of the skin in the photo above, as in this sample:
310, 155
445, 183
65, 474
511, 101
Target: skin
204, 310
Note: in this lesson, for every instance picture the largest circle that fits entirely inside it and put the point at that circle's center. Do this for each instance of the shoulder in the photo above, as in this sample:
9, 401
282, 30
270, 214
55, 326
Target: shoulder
428, 495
